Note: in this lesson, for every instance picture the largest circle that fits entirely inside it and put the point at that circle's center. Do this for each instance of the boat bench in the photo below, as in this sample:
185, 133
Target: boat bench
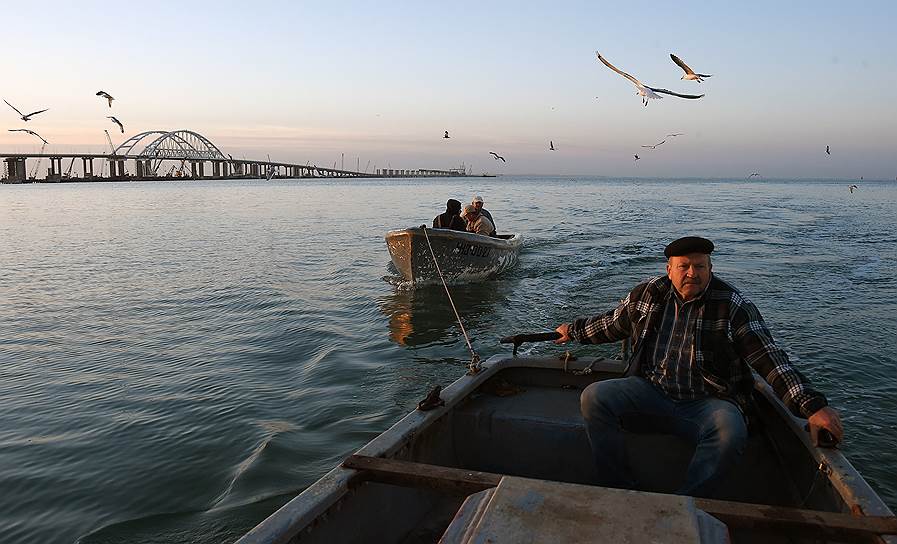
539, 433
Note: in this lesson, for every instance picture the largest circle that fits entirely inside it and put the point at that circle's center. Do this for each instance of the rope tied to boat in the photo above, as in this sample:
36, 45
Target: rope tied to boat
474, 365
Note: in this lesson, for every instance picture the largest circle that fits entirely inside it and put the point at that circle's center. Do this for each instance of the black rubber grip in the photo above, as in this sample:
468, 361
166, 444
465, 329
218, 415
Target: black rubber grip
518, 339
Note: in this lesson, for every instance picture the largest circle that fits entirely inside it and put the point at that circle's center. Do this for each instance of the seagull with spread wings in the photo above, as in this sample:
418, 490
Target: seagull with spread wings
673, 135
497, 156
117, 122
29, 132
636, 157
107, 96
645, 91
22, 115
753, 174
655, 145
689, 73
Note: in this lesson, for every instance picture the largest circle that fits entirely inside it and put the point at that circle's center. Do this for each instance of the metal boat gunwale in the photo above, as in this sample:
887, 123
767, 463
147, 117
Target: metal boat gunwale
301, 512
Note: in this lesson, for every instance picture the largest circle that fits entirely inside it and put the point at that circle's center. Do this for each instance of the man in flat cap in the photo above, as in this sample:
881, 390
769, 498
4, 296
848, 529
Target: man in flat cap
694, 341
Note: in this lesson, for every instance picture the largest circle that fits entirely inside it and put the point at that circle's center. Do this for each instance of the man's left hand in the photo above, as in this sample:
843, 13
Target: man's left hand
825, 418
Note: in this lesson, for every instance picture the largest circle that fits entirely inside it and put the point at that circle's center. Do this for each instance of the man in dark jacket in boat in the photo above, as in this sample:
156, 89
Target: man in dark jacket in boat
451, 218
694, 340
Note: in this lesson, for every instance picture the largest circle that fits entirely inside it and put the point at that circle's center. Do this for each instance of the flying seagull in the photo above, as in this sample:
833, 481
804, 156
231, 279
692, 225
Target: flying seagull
29, 132
107, 96
497, 156
446, 135
827, 151
675, 134
689, 73
23, 116
645, 91
117, 122
852, 187
655, 145
753, 174
551, 146
636, 157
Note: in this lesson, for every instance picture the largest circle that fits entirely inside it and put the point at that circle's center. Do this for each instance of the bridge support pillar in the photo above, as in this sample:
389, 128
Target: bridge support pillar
112, 168
139, 168
16, 168
193, 169
87, 166
55, 170
216, 169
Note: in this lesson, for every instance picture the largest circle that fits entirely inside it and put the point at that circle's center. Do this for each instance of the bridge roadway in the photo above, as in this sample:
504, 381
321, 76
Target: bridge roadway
149, 169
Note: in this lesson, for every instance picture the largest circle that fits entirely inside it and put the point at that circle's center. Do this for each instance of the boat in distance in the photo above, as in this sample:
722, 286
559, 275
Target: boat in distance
462, 256
503, 457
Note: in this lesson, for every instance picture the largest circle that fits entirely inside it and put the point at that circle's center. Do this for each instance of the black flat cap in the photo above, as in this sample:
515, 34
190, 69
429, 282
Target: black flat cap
688, 244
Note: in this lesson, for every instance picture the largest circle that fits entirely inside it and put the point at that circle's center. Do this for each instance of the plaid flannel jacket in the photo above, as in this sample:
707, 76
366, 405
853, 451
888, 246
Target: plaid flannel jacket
729, 336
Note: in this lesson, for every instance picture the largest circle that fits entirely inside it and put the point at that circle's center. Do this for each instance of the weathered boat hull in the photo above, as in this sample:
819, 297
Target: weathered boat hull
462, 256
520, 417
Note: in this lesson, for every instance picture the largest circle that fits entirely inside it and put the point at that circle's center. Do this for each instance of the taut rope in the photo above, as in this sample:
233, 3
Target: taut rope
474, 365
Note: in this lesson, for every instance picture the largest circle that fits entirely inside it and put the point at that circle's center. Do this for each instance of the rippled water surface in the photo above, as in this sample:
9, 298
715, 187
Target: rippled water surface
177, 360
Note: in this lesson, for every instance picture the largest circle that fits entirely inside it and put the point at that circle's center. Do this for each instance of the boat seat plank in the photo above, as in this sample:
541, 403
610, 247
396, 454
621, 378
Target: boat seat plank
810, 523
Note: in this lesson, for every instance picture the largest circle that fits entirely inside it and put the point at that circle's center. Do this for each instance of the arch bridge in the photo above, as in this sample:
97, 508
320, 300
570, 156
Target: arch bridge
190, 152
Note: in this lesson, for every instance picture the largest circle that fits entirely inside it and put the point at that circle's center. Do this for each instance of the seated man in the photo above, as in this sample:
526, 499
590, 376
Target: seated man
477, 222
693, 336
451, 218
477, 202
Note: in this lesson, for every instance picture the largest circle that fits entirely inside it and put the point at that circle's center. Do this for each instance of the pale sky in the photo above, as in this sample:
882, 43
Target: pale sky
381, 81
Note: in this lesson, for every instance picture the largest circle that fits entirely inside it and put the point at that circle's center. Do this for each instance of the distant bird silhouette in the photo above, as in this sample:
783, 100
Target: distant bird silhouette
636, 157
23, 116
689, 73
446, 135
117, 122
497, 156
753, 174
551, 146
29, 132
852, 187
675, 134
645, 91
655, 145
827, 151
107, 96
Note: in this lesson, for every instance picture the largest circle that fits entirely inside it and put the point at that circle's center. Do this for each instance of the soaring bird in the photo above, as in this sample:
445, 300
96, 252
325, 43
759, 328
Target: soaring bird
645, 91
655, 145
29, 132
107, 96
117, 122
551, 146
852, 187
636, 157
753, 174
446, 135
827, 151
497, 156
23, 116
675, 134
689, 73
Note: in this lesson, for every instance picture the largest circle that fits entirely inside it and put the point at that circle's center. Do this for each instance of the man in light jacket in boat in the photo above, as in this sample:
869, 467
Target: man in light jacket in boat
694, 340
477, 222
477, 203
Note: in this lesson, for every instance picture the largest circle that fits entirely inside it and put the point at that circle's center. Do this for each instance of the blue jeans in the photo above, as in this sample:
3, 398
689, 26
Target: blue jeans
716, 427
